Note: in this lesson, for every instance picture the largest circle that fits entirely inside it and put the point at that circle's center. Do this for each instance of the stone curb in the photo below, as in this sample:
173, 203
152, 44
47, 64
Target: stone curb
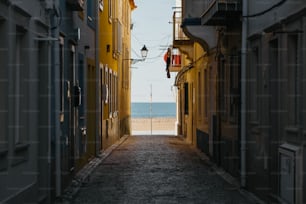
228, 178
83, 175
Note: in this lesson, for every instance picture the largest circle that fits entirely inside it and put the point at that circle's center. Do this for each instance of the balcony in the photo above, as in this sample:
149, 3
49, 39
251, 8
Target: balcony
180, 41
175, 64
179, 37
221, 12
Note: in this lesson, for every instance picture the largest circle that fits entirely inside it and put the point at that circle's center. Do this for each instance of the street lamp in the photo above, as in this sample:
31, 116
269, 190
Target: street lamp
144, 53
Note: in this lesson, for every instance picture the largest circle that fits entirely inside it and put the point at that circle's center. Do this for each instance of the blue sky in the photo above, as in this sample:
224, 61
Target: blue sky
152, 28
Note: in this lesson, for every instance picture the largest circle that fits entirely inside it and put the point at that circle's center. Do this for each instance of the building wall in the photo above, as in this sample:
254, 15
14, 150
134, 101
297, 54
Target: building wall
276, 58
192, 118
278, 14
86, 144
68, 79
201, 98
109, 65
275, 96
25, 104
220, 127
229, 96
48, 135
115, 64
124, 67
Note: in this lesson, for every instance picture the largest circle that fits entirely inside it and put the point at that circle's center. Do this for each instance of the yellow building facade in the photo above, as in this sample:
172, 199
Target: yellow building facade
114, 55
191, 83
195, 82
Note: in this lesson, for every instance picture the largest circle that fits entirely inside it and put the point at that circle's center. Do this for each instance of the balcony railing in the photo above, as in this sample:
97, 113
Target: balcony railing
179, 37
220, 12
178, 34
175, 64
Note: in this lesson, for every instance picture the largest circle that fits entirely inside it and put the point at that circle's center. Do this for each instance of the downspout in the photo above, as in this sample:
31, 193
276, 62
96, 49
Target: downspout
57, 123
54, 32
243, 92
49, 170
98, 106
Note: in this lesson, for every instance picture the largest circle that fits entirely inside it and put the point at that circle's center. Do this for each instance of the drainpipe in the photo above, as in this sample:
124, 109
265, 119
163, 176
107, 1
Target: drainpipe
54, 54
243, 92
98, 106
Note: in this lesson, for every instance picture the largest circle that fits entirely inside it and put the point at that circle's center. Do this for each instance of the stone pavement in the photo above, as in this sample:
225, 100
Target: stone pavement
156, 169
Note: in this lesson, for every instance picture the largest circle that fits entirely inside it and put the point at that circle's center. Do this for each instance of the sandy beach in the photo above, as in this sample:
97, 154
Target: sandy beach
159, 125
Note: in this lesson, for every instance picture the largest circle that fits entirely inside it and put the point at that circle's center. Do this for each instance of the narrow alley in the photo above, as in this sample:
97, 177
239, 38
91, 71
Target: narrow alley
156, 169
83, 82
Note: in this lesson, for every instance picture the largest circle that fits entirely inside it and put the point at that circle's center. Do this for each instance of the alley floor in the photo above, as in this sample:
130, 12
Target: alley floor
156, 169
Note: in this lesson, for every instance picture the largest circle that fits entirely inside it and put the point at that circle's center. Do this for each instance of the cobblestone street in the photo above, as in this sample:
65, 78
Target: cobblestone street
156, 169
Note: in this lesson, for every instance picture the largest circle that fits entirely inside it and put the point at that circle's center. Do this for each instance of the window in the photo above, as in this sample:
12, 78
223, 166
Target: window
72, 63
101, 5
110, 10
253, 83
91, 11
222, 84
293, 79
81, 85
106, 83
234, 89
199, 95
125, 15
110, 88
273, 85
61, 78
102, 82
82, 111
206, 93
117, 38
20, 88
125, 70
116, 91
186, 96
114, 96
3, 87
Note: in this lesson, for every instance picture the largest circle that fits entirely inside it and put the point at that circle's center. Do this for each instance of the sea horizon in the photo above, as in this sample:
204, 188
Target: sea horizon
153, 109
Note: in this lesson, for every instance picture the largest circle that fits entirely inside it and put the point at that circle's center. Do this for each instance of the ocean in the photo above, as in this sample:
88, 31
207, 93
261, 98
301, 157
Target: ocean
159, 110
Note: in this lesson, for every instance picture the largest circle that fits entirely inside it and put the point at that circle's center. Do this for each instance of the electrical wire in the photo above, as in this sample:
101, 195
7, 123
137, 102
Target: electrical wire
266, 11
167, 37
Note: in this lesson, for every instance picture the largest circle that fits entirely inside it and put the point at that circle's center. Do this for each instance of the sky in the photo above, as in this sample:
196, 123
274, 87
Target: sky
152, 26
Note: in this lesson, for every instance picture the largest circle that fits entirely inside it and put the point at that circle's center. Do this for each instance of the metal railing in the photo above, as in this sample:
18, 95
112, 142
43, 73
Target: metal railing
210, 3
178, 33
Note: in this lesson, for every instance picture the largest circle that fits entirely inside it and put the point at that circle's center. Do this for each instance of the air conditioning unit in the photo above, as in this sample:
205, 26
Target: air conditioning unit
76, 5
290, 163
